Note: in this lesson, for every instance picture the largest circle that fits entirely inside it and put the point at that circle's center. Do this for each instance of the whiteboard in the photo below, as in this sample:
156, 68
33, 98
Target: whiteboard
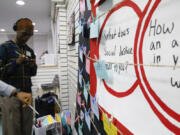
139, 43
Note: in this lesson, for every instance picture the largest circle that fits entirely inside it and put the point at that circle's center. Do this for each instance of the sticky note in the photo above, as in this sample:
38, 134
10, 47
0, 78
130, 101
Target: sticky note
82, 21
79, 100
87, 65
81, 54
88, 121
67, 113
50, 119
110, 74
100, 69
109, 127
63, 119
105, 124
80, 80
87, 85
79, 28
81, 115
84, 50
82, 6
88, 4
85, 93
80, 126
80, 77
113, 129
57, 117
68, 117
94, 107
94, 29
82, 30
69, 121
104, 117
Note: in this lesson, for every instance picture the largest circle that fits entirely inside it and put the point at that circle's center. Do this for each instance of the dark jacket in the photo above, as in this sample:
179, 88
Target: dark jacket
18, 75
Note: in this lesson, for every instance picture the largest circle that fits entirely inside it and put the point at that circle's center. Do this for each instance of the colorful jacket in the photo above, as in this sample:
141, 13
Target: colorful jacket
17, 75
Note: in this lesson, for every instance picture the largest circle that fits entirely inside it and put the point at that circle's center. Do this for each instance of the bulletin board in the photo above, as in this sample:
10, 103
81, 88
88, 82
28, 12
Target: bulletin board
85, 121
139, 45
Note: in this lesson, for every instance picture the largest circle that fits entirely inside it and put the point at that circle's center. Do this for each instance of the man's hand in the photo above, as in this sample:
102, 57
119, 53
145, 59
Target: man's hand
32, 62
21, 59
25, 97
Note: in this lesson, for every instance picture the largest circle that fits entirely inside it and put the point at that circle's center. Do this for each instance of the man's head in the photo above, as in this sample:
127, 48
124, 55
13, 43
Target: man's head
24, 29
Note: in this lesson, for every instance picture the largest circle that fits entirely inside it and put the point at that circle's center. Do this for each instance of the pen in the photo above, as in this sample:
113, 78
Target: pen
18, 53
31, 108
34, 109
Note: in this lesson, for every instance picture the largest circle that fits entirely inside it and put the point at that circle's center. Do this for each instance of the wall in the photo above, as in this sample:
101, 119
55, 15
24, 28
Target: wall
62, 44
45, 74
5, 37
42, 43
68, 59
73, 6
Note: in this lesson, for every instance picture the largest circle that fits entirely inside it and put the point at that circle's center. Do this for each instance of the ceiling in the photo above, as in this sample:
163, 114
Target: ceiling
39, 11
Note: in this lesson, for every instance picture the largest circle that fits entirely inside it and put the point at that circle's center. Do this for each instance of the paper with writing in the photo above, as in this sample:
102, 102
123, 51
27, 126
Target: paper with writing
94, 107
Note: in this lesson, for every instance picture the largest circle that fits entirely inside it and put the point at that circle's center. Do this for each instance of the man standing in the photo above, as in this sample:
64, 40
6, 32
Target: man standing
17, 65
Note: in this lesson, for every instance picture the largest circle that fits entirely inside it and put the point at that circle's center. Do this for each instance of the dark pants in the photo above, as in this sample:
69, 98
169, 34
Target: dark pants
15, 121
